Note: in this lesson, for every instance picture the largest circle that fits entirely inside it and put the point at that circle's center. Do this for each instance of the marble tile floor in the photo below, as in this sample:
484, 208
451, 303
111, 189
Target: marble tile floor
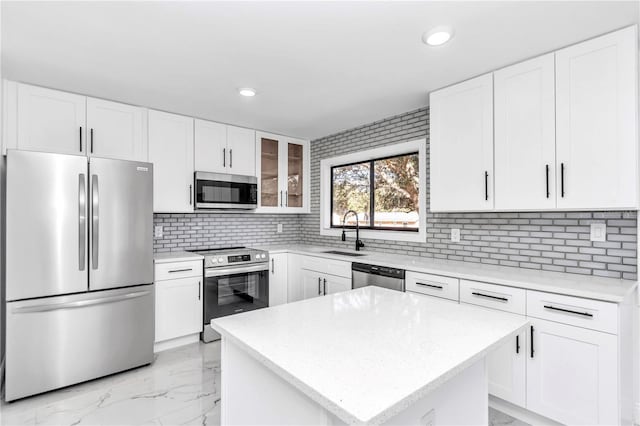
182, 387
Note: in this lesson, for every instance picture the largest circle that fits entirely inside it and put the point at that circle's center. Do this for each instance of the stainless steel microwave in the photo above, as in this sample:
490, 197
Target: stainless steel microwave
225, 191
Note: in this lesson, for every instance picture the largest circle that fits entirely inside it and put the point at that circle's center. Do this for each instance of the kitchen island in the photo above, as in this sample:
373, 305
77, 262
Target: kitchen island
365, 356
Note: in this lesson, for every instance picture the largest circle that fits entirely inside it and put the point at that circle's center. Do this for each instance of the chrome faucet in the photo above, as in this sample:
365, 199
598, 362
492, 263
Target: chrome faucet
359, 243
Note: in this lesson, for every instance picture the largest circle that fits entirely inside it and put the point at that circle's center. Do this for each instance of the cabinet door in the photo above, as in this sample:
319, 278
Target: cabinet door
507, 371
462, 146
525, 135
295, 179
241, 151
295, 289
171, 152
335, 284
178, 308
116, 130
210, 147
278, 279
51, 121
312, 285
596, 116
270, 192
572, 374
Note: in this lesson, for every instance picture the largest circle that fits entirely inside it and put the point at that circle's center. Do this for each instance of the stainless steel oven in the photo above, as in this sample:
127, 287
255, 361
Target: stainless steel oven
225, 191
235, 280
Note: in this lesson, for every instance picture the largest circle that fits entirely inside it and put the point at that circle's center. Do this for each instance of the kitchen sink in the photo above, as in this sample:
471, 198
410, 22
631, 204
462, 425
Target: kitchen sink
344, 253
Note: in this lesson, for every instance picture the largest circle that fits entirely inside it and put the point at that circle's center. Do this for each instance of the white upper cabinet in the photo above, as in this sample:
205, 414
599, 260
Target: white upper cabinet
241, 144
282, 166
461, 143
116, 130
171, 152
210, 146
596, 116
220, 148
524, 107
47, 120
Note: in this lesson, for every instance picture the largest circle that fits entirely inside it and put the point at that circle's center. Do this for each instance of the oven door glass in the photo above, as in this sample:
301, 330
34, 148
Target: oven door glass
235, 293
220, 193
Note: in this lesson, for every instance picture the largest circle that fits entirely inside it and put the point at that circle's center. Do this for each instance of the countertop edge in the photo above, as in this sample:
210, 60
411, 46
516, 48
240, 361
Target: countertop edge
175, 256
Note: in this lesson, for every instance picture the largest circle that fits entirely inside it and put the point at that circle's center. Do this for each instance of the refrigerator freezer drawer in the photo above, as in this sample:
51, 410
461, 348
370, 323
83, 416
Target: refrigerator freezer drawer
59, 341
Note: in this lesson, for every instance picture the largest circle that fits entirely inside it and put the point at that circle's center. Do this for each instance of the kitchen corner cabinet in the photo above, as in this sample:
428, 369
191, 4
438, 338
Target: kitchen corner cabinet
524, 107
282, 167
220, 148
461, 121
178, 300
171, 152
47, 120
278, 283
596, 116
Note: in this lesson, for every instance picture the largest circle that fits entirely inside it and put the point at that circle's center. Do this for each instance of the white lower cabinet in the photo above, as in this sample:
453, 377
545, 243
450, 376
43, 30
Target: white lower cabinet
572, 374
316, 284
178, 301
278, 279
507, 371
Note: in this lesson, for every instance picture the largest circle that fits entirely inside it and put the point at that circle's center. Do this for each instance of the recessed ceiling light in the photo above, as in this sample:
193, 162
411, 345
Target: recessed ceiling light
247, 91
437, 36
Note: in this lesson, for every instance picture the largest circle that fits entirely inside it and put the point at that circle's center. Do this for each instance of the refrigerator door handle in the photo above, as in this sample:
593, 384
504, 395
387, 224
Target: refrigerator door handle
95, 221
82, 221
78, 304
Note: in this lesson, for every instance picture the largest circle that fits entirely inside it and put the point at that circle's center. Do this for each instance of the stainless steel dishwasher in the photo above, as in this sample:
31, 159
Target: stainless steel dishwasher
363, 275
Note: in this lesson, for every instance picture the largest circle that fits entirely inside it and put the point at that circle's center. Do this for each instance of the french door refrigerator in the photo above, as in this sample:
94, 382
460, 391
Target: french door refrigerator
79, 269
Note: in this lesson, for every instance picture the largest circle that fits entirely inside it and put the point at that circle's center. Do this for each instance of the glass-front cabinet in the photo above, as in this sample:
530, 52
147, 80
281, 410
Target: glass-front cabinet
283, 170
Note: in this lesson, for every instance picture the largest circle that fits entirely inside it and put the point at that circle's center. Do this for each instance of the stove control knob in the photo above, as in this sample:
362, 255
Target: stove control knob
220, 260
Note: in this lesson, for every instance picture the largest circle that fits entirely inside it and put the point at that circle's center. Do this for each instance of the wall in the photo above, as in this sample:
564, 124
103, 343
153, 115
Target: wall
213, 230
547, 241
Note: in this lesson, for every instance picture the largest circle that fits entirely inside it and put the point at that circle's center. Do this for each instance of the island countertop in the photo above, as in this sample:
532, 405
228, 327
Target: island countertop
367, 354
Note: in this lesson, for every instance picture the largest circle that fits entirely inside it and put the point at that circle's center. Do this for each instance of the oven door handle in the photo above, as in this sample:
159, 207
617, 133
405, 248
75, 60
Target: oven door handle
215, 272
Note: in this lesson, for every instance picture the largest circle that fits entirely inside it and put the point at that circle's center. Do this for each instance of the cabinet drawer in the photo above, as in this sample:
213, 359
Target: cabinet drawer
173, 270
493, 296
327, 266
586, 313
432, 285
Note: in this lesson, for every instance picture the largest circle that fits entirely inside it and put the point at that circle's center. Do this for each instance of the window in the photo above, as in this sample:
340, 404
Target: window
384, 192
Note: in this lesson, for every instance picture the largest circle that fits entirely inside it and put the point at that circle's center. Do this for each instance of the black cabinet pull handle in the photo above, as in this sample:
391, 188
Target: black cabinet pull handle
231, 158
80, 138
532, 350
553, 308
92, 141
547, 173
319, 285
562, 179
273, 267
181, 270
280, 198
224, 157
439, 287
518, 344
486, 186
190, 194
324, 287
504, 299
198, 290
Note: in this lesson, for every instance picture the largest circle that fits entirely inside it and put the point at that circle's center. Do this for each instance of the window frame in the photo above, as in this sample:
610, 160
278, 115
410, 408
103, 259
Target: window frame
394, 150
372, 196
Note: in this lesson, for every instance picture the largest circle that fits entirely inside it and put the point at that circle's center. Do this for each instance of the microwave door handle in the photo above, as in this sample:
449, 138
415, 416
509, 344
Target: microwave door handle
95, 221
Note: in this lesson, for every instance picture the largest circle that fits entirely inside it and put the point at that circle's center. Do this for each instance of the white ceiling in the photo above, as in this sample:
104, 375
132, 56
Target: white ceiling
319, 67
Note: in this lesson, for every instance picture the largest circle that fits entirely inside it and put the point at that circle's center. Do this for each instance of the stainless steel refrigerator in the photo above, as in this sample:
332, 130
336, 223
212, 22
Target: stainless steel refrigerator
79, 269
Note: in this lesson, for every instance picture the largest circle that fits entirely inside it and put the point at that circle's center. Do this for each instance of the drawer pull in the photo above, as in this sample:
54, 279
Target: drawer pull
532, 350
503, 299
439, 287
181, 270
553, 308
518, 344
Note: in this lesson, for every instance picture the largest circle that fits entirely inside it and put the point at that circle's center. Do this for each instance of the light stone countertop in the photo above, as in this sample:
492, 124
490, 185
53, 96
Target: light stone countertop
367, 354
175, 256
591, 287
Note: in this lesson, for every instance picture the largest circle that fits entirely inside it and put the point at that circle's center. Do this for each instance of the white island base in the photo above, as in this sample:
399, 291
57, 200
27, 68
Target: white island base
252, 394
